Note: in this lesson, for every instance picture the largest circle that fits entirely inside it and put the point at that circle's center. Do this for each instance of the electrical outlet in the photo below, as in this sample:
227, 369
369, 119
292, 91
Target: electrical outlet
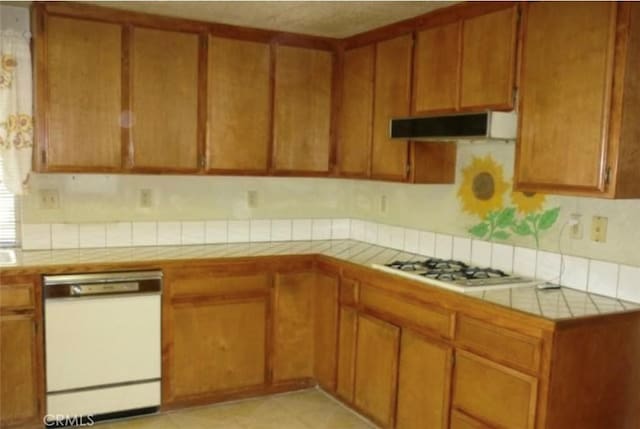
146, 198
252, 199
49, 199
575, 225
599, 229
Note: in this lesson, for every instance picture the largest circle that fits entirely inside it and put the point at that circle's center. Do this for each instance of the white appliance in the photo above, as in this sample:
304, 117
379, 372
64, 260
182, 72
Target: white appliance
455, 275
102, 341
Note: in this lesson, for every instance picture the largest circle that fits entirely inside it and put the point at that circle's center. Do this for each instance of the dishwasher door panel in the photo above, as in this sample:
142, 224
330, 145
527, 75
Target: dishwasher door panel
98, 341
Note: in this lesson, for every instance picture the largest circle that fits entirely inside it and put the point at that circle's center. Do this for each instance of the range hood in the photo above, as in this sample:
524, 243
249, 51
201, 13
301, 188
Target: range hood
488, 125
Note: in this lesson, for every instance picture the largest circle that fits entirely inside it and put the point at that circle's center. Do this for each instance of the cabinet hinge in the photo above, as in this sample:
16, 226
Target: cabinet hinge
607, 175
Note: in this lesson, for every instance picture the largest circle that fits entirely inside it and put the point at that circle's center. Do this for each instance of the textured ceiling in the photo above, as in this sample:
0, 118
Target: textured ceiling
323, 18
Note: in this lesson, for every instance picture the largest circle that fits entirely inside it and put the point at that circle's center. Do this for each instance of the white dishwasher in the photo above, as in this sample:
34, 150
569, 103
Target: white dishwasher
103, 344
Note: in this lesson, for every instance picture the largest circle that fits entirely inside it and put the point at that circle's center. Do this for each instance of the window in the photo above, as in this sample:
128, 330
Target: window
8, 216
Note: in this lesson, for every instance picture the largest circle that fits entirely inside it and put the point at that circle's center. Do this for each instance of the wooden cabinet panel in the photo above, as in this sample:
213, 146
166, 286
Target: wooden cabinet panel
347, 353
424, 383
164, 97
19, 370
488, 60
376, 369
349, 291
293, 331
302, 115
83, 86
218, 346
460, 420
18, 296
566, 76
326, 329
428, 317
437, 69
500, 344
494, 393
239, 130
219, 280
392, 99
356, 112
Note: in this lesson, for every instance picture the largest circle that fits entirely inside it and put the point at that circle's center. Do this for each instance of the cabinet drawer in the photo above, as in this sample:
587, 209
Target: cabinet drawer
17, 296
503, 345
493, 393
348, 291
420, 315
213, 282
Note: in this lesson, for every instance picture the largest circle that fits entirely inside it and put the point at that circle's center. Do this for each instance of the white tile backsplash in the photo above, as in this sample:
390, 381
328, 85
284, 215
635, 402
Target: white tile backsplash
481, 253
340, 229
215, 231
92, 235
36, 236
281, 230
629, 283
169, 233
444, 246
301, 229
238, 231
427, 243
462, 249
260, 230
193, 232
502, 257
321, 229
524, 261
603, 278
575, 272
65, 236
144, 233
119, 234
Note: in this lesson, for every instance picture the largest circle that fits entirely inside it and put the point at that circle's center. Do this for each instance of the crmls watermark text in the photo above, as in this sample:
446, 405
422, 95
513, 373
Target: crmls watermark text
58, 420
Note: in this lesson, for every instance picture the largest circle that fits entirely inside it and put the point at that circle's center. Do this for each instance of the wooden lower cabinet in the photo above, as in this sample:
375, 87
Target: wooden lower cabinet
293, 334
347, 333
19, 367
460, 420
376, 369
326, 329
493, 393
218, 346
424, 383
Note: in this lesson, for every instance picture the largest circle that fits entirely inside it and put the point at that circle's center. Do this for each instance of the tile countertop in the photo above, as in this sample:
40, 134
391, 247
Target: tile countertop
564, 303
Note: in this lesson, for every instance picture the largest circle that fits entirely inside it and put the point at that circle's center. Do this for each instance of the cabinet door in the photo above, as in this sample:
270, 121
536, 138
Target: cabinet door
460, 420
293, 327
164, 97
392, 99
356, 110
347, 353
424, 383
488, 60
376, 369
302, 115
239, 106
326, 329
565, 85
436, 69
218, 346
82, 72
494, 393
18, 369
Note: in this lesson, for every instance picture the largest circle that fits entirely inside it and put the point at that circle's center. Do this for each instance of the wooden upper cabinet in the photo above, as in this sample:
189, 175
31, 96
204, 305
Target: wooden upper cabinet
488, 60
78, 85
437, 66
565, 98
164, 100
302, 115
392, 99
356, 110
239, 130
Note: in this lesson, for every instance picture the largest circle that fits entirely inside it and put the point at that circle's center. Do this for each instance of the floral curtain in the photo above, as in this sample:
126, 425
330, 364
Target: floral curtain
16, 120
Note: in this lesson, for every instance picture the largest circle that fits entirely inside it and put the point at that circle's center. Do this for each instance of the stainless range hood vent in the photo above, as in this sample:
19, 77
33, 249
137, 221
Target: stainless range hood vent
463, 126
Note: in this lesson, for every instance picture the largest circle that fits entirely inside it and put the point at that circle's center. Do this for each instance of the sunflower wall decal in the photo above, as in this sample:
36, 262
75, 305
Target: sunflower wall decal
482, 194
